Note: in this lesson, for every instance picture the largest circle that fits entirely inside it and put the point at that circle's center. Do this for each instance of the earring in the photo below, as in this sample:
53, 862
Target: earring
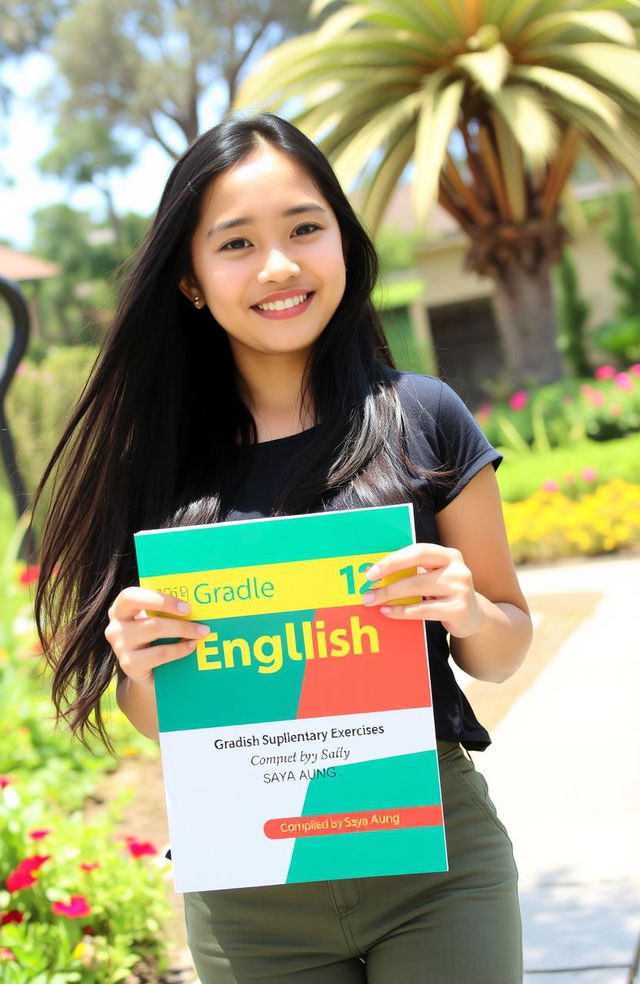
197, 302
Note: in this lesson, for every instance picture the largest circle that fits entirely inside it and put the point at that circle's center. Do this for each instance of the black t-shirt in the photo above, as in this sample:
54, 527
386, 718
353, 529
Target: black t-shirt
442, 436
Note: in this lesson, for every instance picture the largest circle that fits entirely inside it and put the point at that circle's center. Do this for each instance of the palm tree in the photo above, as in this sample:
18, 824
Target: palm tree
492, 100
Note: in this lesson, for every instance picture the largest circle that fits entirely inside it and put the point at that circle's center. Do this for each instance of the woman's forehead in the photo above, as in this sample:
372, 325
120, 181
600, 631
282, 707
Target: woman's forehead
267, 179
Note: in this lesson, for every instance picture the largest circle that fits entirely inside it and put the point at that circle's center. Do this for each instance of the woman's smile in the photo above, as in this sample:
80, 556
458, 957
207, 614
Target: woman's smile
284, 304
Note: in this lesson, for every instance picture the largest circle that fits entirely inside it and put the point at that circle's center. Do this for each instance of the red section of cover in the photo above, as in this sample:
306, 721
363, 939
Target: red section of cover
392, 679
354, 823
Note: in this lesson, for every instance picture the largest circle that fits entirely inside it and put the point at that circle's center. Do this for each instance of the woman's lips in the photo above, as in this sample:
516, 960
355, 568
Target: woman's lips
284, 307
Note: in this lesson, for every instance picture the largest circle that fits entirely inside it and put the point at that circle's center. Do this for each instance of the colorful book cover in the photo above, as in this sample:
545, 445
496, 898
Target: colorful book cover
298, 741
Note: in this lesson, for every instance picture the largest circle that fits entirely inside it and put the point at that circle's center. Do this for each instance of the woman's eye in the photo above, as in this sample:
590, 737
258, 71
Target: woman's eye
306, 228
235, 244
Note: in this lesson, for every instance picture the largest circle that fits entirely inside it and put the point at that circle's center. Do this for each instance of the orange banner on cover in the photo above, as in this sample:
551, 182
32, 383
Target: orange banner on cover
353, 823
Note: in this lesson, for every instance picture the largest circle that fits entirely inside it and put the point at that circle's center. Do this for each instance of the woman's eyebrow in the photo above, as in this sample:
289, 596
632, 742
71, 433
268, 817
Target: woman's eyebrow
248, 219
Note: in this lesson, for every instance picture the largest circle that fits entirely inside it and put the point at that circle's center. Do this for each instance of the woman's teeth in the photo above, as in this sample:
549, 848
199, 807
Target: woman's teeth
288, 302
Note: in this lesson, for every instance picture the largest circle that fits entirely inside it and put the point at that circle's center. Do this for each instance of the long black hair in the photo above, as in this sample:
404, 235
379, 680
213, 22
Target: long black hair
153, 440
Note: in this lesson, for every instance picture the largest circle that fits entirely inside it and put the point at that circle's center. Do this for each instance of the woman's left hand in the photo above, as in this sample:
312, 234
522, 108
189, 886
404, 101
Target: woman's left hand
443, 584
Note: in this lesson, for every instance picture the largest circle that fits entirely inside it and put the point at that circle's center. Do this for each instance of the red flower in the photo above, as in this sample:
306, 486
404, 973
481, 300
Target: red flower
519, 400
37, 835
29, 575
89, 867
77, 908
13, 916
605, 372
23, 876
624, 381
138, 849
5, 781
6, 954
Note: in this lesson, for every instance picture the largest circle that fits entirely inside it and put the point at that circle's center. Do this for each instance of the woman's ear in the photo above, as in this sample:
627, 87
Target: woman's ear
191, 291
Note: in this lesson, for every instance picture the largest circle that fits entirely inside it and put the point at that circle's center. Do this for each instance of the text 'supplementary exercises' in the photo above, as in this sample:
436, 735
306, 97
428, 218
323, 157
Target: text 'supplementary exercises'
298, 739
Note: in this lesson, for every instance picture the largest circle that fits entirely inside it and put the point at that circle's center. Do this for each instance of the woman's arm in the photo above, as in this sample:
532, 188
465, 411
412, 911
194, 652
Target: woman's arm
468, 583
133, 635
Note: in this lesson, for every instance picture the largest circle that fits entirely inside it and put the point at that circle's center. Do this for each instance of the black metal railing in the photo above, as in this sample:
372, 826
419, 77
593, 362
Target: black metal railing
19, 311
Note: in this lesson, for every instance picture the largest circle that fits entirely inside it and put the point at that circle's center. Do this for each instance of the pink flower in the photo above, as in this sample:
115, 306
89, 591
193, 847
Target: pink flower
615, 409
589, 474
586, 389
85, 866
6, 781
484, 411
13, 916
635, 369
569, 478
138, 849
37, 835
519, 400
550, 486
624, 381
605, 372
29, 575
24, 874
6, 954
595, 398
77, 908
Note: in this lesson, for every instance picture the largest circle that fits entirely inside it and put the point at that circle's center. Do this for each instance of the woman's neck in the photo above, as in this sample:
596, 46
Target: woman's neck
272, 389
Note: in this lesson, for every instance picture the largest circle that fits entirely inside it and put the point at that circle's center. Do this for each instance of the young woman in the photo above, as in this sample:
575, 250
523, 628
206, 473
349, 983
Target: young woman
246, 375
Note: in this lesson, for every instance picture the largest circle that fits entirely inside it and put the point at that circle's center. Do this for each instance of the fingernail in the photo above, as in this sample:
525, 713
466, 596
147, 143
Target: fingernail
203, 630
368, 598
183, 607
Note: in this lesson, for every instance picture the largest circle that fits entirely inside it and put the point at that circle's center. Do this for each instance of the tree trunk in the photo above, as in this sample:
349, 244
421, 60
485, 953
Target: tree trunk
526, 321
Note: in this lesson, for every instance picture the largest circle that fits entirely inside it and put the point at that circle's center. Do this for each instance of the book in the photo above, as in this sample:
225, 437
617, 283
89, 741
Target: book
298, 740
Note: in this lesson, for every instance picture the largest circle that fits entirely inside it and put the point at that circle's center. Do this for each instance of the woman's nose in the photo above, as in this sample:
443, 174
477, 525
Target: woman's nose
278, 266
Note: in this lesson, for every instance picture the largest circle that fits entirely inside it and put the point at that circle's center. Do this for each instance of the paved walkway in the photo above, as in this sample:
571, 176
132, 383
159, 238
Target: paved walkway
564, 771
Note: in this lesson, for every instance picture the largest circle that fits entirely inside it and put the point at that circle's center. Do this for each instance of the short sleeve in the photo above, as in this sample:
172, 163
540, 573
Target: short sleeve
463, 450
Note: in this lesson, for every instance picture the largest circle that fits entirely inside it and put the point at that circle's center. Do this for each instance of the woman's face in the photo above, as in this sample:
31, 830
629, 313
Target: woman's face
267, 256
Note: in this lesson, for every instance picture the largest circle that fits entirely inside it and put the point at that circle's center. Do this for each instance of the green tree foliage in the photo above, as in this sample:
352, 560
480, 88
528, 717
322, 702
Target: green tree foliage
573, 313
150, 64
492, 100
624, 240
87, 153
25, 24
75, 304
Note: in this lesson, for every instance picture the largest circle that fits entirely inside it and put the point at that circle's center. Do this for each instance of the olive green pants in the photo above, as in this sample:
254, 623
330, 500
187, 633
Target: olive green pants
455, 927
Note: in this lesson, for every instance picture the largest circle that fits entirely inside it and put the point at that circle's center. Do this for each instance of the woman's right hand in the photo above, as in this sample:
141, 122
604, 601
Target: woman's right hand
131, 631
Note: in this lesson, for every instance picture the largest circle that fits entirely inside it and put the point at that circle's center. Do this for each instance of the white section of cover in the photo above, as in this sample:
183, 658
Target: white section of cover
218, 802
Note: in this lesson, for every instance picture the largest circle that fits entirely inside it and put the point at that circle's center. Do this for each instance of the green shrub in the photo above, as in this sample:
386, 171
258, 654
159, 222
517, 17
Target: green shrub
38, 404
77, 903
58, 770
604, 407
620, 338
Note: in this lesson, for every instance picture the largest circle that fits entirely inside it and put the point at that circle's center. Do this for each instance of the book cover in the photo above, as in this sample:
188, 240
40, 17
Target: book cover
298, 740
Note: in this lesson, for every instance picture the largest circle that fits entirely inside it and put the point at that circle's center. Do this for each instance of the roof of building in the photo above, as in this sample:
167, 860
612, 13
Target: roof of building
20, 266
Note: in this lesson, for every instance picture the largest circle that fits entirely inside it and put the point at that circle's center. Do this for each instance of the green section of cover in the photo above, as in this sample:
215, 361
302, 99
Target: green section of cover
381, 784
225, 545
190, 698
